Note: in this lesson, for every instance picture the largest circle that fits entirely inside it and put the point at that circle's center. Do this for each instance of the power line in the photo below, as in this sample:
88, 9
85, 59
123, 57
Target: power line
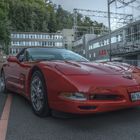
99, 14
127, 4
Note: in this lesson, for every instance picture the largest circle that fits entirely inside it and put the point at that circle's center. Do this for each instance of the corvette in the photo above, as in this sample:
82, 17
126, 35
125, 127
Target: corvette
58, 79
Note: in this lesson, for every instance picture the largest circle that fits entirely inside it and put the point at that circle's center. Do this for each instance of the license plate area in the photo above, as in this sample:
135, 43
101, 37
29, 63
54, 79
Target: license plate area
135, 96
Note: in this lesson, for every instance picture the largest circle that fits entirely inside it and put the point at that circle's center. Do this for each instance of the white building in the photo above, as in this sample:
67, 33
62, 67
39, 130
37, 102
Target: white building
68, 35
80, 45
20, 40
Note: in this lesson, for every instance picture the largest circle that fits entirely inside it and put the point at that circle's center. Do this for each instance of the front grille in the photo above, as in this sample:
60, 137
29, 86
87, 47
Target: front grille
105, 97
87, 107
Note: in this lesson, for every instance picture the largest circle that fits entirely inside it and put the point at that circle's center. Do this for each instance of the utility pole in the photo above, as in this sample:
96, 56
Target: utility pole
75, 23
109, 26
99, 14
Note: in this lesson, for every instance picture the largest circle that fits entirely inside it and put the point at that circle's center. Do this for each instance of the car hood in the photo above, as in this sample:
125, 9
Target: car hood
85, 68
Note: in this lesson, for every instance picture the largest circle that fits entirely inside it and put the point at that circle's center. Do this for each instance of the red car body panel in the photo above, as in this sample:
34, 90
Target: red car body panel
85, 77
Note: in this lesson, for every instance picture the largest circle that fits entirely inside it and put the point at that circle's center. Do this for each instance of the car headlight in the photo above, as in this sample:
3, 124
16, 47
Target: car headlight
77, 96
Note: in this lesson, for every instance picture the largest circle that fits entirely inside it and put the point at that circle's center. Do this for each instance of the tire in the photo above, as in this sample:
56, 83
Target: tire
38, 95
3, 88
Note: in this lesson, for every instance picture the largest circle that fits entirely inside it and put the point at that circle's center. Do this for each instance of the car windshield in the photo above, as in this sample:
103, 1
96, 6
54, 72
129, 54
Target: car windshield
50, 54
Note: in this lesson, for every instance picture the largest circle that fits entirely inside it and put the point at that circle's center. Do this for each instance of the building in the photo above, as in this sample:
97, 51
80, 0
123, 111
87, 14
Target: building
125, 45
21, 40
68, 36
98, 48
80, 45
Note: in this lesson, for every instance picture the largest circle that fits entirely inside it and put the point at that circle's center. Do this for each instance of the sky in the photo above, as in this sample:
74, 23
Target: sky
96, 5
85, 4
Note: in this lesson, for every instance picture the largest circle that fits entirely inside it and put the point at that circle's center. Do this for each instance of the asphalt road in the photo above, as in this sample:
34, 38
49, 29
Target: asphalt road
2, 102
1, 65
24, 125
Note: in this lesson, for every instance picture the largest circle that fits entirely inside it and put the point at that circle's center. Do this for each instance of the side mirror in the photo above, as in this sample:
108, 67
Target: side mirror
12, 59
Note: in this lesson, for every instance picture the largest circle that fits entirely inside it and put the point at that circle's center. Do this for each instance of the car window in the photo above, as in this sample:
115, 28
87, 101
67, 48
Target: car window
21, 56
50, 54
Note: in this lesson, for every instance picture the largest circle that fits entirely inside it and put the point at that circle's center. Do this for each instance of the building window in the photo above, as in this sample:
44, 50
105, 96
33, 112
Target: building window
46, 36
20, 36
84, 52
37, 36
32, 43
90, 55
23, 35
43, 36
113, 39
26, 36
53, 43
12, 36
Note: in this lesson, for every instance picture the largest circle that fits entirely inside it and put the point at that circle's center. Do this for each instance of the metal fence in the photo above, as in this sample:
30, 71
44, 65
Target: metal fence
132, 62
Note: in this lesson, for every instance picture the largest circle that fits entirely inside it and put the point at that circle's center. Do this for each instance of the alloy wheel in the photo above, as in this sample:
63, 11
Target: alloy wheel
37, 93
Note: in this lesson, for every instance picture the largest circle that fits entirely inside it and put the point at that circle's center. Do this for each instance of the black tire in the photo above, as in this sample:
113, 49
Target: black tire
39, 95
3, 88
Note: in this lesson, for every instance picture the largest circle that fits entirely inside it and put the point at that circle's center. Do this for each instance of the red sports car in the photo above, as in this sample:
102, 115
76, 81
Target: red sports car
58, 79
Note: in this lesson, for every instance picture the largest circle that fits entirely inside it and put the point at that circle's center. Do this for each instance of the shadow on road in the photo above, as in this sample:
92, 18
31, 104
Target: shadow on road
122, 124
117, 117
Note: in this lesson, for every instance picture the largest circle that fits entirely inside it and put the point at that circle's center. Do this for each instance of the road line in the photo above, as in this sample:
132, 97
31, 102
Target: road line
5, 117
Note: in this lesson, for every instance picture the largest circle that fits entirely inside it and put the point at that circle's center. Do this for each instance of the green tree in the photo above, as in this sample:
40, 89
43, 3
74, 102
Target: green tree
28, 15
38, 16
52, 25
4, 26
64, 18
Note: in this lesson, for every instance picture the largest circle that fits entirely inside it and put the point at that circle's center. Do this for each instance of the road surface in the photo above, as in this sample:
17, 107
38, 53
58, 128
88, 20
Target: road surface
24, 125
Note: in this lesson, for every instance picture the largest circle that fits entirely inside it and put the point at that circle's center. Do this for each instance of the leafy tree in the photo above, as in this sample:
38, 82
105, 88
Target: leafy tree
38, 16
52, 25
28, 15
4, 26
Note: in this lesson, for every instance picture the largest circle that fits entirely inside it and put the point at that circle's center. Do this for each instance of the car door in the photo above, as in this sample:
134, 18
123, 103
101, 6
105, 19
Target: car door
9, 70
23, 68
18, 73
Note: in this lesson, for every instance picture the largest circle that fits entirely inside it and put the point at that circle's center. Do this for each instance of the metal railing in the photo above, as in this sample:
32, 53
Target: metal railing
132, 62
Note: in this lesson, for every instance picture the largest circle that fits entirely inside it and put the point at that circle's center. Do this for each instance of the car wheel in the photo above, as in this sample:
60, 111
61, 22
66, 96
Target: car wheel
38, 95
3, 83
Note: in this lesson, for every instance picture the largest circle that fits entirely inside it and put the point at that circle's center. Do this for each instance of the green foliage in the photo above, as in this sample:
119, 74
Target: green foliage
36, 16
28, 15
4, 26
64, 18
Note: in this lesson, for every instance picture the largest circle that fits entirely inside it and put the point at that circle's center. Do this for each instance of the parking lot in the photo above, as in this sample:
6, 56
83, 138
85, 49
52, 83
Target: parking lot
24, 125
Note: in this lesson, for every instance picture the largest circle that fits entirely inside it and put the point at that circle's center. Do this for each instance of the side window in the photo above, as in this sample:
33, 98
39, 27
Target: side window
21, 56
25, 56
28, 56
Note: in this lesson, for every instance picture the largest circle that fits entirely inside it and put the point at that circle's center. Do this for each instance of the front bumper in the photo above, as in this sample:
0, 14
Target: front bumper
96, 106
92, 107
